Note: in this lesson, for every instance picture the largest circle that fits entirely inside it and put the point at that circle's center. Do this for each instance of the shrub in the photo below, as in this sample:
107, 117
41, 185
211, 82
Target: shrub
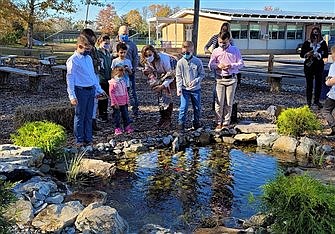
57, 112
45, 135
300, 204
296, 121
6, 198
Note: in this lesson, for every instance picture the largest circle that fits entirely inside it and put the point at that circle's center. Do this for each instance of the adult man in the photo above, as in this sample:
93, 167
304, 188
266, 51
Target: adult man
132, 55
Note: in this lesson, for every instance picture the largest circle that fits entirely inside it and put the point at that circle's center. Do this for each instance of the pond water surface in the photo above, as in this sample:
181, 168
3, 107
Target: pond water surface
198, 187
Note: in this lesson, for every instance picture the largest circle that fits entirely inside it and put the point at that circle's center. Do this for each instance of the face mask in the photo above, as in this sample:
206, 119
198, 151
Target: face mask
223, 46
150, 58
86, 52
107, 46
124, 38
187, 55
315, 35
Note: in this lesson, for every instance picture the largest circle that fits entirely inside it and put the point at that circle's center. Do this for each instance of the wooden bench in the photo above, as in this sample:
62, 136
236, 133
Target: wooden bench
9, 59
47, 63
34, 77
62, 68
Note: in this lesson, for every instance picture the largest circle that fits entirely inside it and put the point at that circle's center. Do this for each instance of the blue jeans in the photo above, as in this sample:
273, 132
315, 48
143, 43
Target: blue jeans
83, 114
196, 104
122, 112
133, 96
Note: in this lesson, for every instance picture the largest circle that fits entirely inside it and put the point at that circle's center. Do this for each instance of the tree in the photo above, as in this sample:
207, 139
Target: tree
108, 21
134, 19
157, 10
31, 11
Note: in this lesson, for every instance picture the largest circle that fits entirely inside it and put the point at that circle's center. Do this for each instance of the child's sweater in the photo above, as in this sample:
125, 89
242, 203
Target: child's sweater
118, 92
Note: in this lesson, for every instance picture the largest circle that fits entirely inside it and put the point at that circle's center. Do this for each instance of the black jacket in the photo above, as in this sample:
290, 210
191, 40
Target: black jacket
323, 51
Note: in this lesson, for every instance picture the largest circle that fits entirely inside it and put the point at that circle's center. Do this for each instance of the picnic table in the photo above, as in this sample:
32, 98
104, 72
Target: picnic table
10, 59
33, 76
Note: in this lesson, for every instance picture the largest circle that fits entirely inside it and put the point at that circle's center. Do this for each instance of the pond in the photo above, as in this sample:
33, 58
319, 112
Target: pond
200, 186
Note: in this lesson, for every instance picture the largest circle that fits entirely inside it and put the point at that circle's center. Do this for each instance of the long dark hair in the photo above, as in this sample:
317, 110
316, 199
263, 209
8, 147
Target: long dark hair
89, 34
225, 25
319, 34
145, 49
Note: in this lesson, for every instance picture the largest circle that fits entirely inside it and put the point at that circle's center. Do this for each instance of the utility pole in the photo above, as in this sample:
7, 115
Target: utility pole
195, 25
88, 2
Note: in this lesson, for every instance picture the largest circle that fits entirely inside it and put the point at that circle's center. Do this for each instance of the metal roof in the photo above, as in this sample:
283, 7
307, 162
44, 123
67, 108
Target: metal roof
279, 13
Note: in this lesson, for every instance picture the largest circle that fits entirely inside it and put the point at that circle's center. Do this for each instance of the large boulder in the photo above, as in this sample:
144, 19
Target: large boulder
97, 167
100, 219
285, 144
304, 149
256, 128
267, 139
55, 217
245, 137
15, 157
87, 198
21, 212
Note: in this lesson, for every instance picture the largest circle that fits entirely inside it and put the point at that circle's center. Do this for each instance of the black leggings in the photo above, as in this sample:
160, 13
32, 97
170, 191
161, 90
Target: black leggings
312, 74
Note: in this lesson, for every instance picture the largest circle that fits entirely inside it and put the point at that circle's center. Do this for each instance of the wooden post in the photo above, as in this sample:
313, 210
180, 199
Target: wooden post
270, 63
195, 25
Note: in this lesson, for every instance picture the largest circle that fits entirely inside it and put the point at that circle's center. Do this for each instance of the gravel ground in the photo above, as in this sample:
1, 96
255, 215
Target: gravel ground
252, 95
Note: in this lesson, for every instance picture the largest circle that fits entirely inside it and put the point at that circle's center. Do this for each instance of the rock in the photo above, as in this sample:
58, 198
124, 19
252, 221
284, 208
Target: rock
327, 149
56, 217
330, 159
3, 177
21, 212
274, 111
154, 229
87, 198
117, 151
45, 168
38, 203
245, 137
20, 156
139, 147
60, 168
97, 168
41, 185
167, 140
257, 220
304, 149
285, 144
256, 128
218, 139
37, 196
101, 219
267, 139
39, 209
204, 139
112, 142
218, 230
55, 199
228, 140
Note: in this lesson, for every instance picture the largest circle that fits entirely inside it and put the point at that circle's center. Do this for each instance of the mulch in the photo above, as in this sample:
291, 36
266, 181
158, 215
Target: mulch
253, 97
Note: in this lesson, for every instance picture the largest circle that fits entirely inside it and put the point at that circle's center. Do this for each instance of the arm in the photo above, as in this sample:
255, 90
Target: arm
239, 61
130, 67
168, 71
213, 62
112, 93
70, 80
179, 78
305, 50
135, 57
210, 42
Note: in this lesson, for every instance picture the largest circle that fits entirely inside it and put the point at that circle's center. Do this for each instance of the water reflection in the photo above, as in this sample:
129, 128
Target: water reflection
181, 191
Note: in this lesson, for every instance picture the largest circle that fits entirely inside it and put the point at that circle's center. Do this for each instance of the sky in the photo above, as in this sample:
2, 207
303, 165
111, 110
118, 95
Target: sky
124, 6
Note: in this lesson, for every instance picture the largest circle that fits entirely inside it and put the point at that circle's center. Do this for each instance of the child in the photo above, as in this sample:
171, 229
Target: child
226, 60
121, 60
189, 74
330, 101
82, 86
119, 100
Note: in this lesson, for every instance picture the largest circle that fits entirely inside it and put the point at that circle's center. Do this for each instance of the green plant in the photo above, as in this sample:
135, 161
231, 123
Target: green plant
73, 170
317, 157
300, 204
6, 198
46, 135
296, 121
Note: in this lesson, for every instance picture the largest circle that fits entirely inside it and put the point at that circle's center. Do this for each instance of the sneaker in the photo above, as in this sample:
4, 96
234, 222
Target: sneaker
118, 131
218, 128
129, 129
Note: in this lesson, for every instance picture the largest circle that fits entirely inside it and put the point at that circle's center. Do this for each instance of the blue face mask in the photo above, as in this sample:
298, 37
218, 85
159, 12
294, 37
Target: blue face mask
187, 55
124, 37
86, 52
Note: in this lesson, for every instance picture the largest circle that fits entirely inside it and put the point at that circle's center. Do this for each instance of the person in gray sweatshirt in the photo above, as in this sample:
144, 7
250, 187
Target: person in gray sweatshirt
189, 74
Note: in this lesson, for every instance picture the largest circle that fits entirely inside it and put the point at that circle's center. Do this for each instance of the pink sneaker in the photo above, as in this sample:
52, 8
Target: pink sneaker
129, 129
118, 131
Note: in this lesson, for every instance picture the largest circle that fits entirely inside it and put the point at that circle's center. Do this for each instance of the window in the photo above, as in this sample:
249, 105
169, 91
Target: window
255, 31
277, 31
294, 32
239, 31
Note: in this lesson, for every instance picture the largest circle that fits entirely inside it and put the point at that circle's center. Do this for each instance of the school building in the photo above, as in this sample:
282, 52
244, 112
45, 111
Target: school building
253, 31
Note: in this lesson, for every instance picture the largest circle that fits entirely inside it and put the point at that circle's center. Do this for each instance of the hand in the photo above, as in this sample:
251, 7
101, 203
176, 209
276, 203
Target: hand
158, 88
179, 93
74, 102
207, 51
192, 83
116, 106
225, 66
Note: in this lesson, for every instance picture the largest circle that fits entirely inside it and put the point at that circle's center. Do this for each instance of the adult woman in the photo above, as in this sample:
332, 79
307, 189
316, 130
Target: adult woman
104, 55
225, 27
314, 51
157, 68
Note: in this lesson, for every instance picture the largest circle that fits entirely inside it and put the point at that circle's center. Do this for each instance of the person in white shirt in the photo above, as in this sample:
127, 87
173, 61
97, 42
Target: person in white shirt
160, 65
82, 87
